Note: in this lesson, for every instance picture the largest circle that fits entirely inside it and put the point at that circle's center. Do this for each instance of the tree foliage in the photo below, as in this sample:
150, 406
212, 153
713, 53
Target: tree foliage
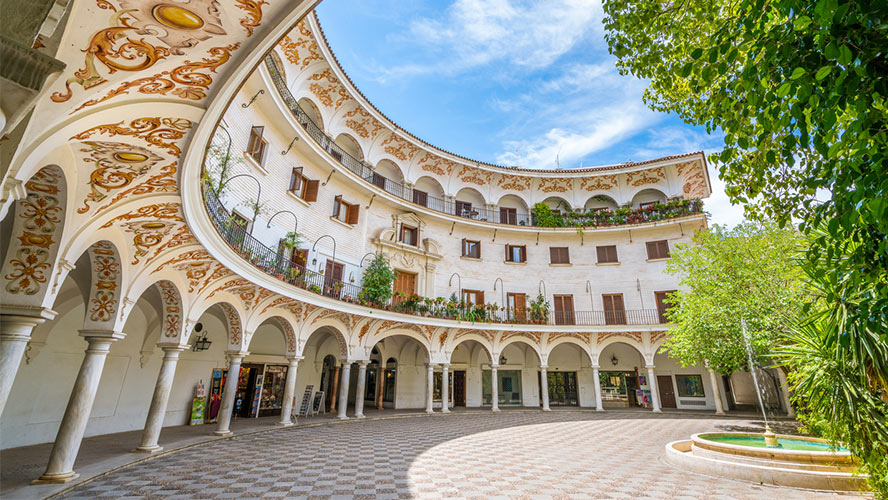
799, 89
749, 272
839, 369
377, 282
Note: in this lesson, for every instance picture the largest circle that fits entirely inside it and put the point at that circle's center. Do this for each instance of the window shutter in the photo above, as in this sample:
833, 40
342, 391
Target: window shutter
663, 249
523, 254
311, 190
255, 139
295, 178
508, 254
465, 249
651, 249
351, 214
337, 202
480, 296
479, 250
602, 254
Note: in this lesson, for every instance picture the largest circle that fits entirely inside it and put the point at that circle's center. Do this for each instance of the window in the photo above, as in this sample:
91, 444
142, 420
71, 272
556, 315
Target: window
378, 180
409, 235
508, 216
559, 255
344, 211
690, 386
257, 145
607, 253
473, 297
663, 303
517, 303
302, 187
564, 309
516, 253
333, 278
420, 197
614, 313
463, 208
658, 249
471, 249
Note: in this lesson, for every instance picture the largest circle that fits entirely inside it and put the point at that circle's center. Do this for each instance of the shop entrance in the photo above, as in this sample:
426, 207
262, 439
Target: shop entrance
563, 389
459, 388
250, 374
388, 384
618, 388
328, 373
509, 387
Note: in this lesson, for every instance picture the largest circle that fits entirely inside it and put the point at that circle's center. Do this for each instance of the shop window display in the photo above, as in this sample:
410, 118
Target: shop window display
273, 390
690, 386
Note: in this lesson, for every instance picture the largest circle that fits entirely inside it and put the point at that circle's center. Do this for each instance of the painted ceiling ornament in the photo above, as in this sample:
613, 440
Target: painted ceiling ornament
147, 235
180, 24
158, 131
555, 184
327, 88
116, 166
599, 183
644, 177
360, 121
399, 148
193, 83
305, 40
234, 324
278, 302
435, 164
636, 336
105, 278
192, 255
475, 176
289, 334
254, 14
514, 182
657, 336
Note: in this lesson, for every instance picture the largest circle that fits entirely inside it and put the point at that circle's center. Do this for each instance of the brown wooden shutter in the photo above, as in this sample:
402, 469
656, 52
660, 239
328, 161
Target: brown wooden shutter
311, 190
294, 178
351, 214
300, 257
465, 252
663, 249
480, 296
602, 254
337, 202
651, 249
479, 249
255, 139
508, 254
523, 253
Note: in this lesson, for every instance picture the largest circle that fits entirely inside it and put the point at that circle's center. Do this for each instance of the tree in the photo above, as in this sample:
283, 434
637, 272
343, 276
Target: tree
377, 282
749, 272
839, 369
799, 89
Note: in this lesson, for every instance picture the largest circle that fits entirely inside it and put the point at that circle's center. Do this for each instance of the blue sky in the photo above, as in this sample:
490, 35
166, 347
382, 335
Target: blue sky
508, 81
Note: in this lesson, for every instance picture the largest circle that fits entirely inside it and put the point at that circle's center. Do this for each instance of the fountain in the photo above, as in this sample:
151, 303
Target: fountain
768, 458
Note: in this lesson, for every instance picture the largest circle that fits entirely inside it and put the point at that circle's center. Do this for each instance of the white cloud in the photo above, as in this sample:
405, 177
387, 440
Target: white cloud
523, 34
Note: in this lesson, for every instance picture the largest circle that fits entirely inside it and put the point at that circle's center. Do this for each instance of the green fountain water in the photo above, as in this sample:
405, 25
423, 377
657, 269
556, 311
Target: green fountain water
758, 441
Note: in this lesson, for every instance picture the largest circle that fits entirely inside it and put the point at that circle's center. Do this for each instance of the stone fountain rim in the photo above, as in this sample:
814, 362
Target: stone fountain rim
698, 439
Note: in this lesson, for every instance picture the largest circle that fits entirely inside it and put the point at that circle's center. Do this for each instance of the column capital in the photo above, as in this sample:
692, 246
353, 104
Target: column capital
98, 335
362, 363
596, 367
173, 347
445, 366
494, 366
237, 354
26, 313
294, 360
649, 367
544, 367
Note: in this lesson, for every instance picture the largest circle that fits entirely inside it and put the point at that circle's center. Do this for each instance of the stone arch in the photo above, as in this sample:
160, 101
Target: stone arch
312, 111
569, 340
34, 240
403, 332
350, 145
515, 201
431, 187
473, 196
607, 363
648, 195
173, 322
600, 201
485, 344
336, 333
286, 328
524, 340
232, 321
558, 203
390, 170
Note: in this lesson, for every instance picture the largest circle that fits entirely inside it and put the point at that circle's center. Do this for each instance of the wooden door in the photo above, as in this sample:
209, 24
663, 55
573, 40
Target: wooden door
404, 283
517, 307
663, 303
667, 392
564, 310
459, 388
614, 313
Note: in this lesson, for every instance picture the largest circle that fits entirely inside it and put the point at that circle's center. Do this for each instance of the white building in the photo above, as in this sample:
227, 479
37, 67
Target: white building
110, 236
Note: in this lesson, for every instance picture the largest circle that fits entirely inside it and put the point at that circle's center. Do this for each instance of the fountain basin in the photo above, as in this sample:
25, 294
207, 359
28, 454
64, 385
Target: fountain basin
800, 462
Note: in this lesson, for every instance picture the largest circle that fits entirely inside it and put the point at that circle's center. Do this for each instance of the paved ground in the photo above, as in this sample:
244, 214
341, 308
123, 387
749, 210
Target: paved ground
560, 454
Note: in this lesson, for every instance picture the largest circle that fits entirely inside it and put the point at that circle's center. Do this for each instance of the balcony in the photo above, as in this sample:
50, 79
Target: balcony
623, 215
275, 264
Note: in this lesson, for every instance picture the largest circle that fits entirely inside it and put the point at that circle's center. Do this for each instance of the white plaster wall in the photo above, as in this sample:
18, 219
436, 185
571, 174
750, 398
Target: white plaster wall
668, 366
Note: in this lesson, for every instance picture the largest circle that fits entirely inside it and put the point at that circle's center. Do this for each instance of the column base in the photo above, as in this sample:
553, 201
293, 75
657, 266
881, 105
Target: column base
599, 409
221, 433
360, 416
720, 413
430, 411
65, 477
284, 424
344, 417
657, 410
444, 410
148, 449
496, 410
547, 409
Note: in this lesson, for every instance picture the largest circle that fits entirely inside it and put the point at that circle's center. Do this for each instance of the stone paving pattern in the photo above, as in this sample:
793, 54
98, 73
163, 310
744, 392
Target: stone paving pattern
526, 455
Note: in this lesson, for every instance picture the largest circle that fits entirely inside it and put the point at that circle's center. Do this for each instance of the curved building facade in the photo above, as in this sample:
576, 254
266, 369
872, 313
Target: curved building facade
130, 278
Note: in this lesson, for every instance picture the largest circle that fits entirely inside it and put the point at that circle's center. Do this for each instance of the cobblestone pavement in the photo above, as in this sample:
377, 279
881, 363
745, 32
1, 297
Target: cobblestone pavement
509, 455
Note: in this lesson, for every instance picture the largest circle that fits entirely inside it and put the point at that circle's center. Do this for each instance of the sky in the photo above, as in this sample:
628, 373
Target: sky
512, 82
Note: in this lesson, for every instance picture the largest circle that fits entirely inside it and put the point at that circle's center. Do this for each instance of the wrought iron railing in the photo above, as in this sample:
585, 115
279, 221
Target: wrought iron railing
275, 263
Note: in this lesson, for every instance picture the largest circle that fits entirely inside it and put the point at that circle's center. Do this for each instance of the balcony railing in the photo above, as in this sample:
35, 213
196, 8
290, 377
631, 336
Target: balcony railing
274, 263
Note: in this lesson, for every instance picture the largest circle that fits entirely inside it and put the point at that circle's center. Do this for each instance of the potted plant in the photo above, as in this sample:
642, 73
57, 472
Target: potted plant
377, 282
539, 310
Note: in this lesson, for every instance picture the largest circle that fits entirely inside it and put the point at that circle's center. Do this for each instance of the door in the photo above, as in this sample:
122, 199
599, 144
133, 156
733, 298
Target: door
404, 283
631, 387
564, 309
333, 278
459, 388
667, 392
614, 313
562, 389
517, 307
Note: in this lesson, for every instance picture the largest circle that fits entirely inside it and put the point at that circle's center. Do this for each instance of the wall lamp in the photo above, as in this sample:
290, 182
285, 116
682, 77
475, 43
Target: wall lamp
614, 360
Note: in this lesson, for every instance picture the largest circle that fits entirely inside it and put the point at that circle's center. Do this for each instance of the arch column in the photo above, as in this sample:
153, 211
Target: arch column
15, 332
716, 392
335, 390
494, 388
60, 468
544, 387
343, 390
655, 393
289, 392
597, 379
234, 364
157, 410
445, 388
430, 388
360, 388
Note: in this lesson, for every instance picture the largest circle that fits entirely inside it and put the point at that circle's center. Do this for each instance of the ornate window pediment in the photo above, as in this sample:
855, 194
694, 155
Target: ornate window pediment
390, 237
